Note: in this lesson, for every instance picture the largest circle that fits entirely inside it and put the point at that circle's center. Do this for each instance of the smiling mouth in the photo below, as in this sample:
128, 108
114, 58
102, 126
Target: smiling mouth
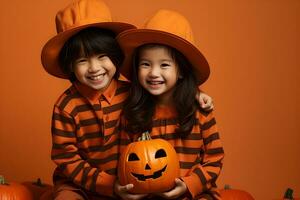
155, 175
96, 78
155, 82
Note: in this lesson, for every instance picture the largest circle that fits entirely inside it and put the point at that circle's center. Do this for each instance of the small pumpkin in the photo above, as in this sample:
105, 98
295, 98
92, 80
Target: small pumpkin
47, 195
37, 188
15, 191
234, 194
151, 165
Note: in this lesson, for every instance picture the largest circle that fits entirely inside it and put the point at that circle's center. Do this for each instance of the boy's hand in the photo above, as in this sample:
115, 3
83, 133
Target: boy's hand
205, 101
123, 192
179, 189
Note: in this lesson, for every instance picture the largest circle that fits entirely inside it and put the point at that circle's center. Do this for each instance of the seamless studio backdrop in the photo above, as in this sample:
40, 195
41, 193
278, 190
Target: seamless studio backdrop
253, 51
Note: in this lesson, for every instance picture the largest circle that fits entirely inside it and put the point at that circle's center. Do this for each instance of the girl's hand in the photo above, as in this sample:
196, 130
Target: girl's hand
179, 189
205, 101
123, 192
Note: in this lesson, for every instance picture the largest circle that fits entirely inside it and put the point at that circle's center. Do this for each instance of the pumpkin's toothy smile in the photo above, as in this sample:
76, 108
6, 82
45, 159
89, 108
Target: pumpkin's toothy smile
157, 174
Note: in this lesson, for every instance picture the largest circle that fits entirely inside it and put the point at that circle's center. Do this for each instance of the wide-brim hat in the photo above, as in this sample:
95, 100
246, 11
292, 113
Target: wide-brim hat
80, 14
168, 28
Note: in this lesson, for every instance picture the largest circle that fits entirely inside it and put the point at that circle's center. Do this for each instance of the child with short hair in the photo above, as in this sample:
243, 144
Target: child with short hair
86, 116
85, 132
165, 68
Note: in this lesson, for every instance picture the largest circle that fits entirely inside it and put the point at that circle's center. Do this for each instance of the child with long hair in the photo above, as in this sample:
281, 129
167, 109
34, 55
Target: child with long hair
166, 68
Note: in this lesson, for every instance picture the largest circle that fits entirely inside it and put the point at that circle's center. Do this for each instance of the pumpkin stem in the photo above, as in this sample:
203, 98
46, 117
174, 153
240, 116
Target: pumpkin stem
38, 182
227, 187
144, 136
2, 180
288, 194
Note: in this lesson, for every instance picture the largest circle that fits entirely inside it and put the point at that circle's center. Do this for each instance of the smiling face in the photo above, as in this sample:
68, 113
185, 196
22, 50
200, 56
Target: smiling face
151, 166
157, 71
95, 71
92, 56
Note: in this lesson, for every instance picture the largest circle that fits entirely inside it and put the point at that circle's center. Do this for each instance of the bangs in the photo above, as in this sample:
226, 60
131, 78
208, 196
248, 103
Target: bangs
89, 43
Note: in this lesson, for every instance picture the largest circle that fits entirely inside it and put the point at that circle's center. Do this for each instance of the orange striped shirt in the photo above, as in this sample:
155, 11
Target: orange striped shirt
200, 153
85, 136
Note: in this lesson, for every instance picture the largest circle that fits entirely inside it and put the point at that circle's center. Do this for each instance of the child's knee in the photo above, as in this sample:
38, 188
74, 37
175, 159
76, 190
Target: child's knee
65, 191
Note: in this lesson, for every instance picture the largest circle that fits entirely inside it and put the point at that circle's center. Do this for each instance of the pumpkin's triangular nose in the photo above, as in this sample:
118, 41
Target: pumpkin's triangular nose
147, 166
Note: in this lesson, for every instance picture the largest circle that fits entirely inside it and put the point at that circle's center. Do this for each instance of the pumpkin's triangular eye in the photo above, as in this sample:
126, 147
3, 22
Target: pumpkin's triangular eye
133, 157
160, 153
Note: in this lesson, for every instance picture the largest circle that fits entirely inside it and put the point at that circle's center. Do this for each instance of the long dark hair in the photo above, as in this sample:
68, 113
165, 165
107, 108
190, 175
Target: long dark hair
140, 105
88, 42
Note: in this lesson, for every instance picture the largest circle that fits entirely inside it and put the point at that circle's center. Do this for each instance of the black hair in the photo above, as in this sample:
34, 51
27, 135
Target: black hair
88, 42
139, 107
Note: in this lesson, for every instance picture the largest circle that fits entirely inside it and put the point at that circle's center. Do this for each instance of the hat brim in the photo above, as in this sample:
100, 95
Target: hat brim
51, 49
131, 39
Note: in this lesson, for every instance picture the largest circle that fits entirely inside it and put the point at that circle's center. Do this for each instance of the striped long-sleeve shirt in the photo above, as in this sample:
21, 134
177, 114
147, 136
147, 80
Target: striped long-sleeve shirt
85, 141
200, 153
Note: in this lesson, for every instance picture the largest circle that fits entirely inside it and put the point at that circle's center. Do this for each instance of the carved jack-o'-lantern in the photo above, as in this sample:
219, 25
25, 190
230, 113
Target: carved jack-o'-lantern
150, 165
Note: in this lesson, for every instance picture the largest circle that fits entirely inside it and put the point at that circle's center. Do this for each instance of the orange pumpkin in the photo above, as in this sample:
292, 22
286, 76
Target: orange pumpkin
234, 194
150, 165
37, 188
14, 191
47, 195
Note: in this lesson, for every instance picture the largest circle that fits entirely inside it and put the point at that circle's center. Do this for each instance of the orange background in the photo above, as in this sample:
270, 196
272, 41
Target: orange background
251, 45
